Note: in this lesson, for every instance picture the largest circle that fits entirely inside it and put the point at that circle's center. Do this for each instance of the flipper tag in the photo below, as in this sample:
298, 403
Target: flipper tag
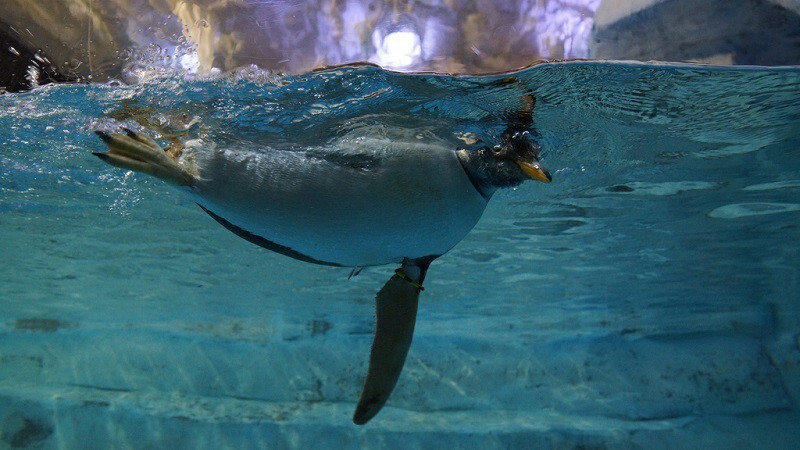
401, 274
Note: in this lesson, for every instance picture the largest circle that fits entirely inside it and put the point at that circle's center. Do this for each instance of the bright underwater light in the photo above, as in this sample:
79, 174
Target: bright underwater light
400, 49
398, 43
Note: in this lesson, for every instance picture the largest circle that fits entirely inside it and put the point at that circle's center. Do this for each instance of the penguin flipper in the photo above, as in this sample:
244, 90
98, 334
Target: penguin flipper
140, 153
396, 311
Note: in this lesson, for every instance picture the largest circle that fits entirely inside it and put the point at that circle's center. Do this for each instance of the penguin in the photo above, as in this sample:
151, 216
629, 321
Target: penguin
359, 201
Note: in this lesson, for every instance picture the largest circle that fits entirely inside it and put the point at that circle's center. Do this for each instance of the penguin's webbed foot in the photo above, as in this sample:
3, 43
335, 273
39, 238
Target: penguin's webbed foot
140, 153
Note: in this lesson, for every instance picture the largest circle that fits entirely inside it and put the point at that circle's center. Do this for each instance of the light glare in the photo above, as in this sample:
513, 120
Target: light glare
400, 49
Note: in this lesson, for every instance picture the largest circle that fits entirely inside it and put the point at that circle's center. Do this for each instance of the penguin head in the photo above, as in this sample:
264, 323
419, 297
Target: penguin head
506, 164
516, 159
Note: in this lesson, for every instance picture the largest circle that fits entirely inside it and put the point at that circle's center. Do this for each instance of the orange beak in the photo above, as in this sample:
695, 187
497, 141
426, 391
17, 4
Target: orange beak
535, 170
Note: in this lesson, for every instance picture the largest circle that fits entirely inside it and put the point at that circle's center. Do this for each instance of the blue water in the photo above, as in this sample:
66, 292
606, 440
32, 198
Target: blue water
648, 297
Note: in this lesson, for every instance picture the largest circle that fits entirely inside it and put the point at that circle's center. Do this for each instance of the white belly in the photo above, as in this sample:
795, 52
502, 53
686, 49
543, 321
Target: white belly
415, 201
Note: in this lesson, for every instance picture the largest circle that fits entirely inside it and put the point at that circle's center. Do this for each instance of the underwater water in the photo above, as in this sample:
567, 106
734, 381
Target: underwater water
649, 297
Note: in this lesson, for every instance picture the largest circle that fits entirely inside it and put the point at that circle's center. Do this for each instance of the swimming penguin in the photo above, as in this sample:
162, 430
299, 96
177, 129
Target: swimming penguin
357, 202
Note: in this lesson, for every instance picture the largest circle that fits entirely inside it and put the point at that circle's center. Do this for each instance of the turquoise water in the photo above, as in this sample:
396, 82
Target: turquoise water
648, 297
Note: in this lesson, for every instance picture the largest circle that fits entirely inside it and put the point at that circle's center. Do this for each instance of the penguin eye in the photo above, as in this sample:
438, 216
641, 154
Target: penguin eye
497, 149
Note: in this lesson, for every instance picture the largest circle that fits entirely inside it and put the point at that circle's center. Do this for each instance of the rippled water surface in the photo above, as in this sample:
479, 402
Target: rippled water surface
650, 292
